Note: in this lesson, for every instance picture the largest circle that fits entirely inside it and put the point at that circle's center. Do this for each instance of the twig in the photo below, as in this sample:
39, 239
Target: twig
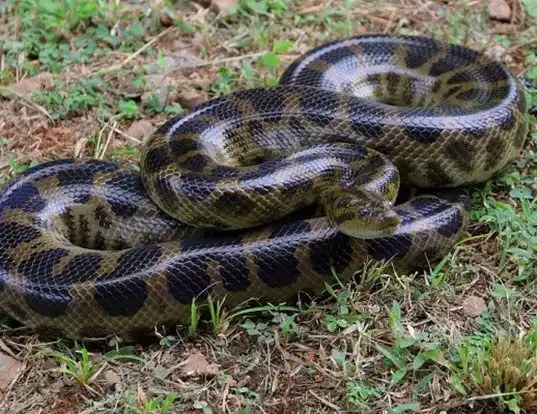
212, 63
325, 402
108, 139
132, 56
25, 100
124, 134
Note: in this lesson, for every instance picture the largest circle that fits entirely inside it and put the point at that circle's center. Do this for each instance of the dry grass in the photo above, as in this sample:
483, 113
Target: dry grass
343, 356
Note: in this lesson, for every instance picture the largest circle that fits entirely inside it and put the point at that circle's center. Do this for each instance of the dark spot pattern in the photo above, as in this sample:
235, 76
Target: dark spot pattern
457, 151
110, 288
493, 72
277, 264
25, 197
102, 217
12, 234
301, 227
122, 207
495, 148
181, 146
196, 162
235, 202
49, 166
322, 111
452, 91
40, 295
83, 231
81, 268
443, 66
415, 58
188, 279
461, 77
436, 174
224, 171
424, 135
451, 226
388, 248
500, 92
39, 266
99, 242
333, 252
157, 159
83, 176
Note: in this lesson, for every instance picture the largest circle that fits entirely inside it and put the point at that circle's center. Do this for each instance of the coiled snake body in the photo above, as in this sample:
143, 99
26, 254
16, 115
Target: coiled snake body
83, 249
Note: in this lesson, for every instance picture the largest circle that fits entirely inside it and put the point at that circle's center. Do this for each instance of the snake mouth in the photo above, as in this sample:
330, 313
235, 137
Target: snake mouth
381, 229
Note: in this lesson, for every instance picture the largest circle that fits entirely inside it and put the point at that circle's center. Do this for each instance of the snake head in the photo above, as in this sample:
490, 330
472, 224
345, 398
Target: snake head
363, 215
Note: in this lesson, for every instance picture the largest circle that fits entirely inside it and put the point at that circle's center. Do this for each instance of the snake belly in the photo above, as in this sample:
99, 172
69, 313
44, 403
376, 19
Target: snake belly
89, 248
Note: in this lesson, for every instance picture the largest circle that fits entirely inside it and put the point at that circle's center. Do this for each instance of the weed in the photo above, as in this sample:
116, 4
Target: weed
194, 319
79, 98
259, 330
17, 167
161, 404
81, 367
409, 352
361, 396
504, 366
218, 320
128, 109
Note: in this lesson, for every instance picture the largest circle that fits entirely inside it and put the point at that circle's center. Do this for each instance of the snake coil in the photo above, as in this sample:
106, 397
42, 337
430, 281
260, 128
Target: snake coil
89, 248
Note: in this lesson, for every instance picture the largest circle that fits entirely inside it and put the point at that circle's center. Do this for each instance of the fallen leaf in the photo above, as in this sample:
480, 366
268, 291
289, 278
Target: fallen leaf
190, 98
474, 306
196, 364
230, 381
166, 19
244, 382
499, 10
309, 356
141, 130
224, 6
9, 368
111, 377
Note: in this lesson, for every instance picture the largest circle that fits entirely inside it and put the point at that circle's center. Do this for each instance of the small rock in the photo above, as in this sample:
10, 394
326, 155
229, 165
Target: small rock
499, 10
141, 130
9, 368
30, 85
474, 306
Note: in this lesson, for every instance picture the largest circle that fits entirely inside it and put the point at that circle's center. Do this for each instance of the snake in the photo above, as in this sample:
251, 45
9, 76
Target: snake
266, 192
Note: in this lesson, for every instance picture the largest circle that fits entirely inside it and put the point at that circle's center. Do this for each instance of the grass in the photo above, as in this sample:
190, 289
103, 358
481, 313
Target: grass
392, 343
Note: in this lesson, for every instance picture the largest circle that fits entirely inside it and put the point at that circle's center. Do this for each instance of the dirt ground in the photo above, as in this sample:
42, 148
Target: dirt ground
94, 79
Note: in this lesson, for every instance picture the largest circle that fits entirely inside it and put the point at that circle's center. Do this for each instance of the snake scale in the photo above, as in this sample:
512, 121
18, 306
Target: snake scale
220, 205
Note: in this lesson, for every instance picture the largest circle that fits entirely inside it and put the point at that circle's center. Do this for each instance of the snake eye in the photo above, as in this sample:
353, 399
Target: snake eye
364, 212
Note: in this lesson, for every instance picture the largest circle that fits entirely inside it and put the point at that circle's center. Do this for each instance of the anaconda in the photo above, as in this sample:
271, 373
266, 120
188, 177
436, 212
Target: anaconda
91, 248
